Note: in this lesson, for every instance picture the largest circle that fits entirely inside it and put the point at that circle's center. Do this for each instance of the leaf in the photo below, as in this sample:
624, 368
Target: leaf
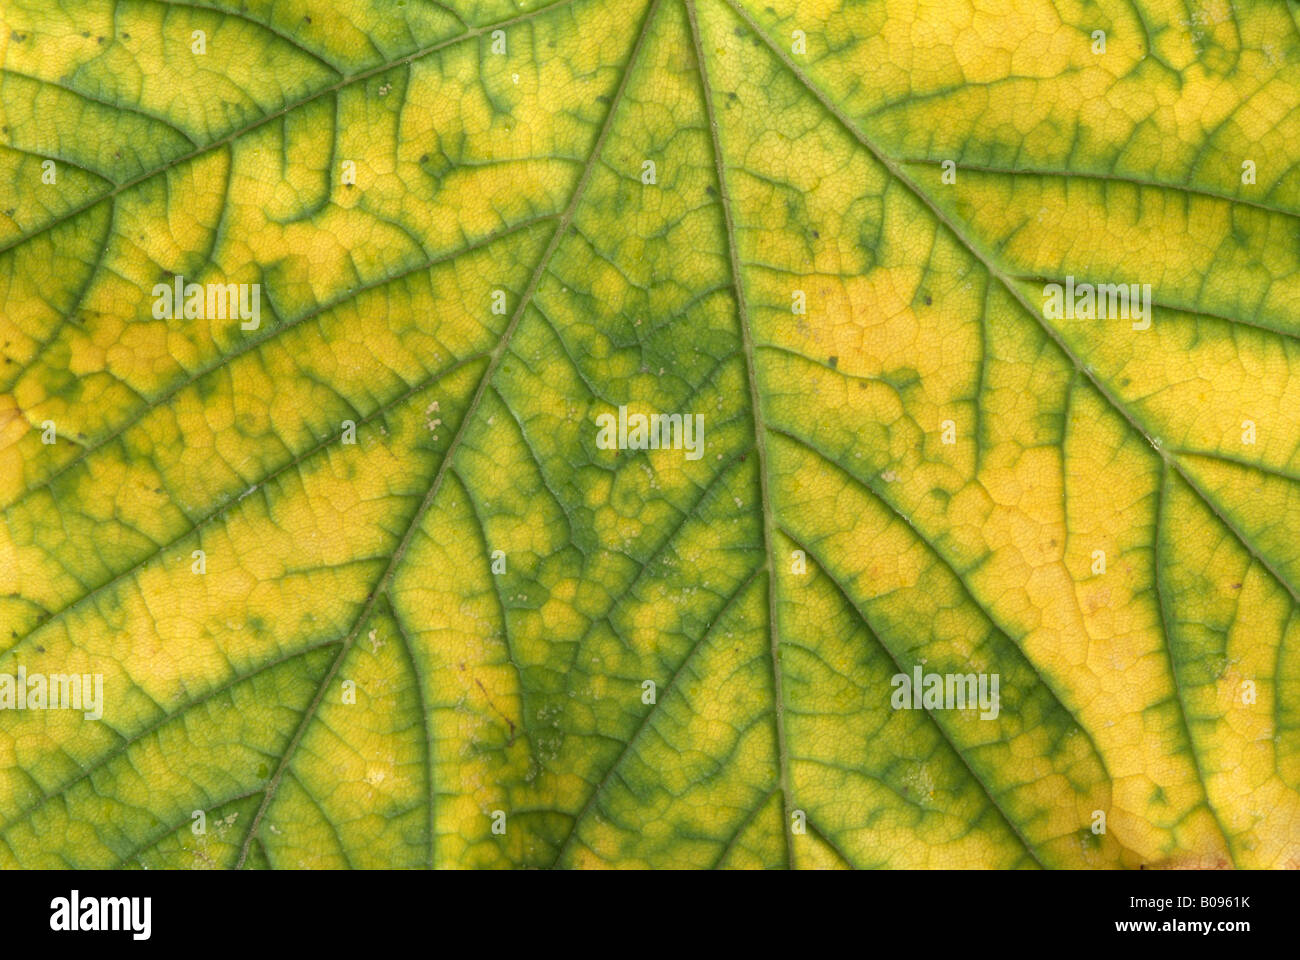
431, 641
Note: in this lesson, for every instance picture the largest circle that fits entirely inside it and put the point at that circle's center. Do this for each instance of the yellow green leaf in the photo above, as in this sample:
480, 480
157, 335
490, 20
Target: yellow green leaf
355, 531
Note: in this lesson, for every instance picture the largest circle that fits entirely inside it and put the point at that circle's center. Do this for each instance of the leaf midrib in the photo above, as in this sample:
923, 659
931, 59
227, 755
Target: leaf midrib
760, 435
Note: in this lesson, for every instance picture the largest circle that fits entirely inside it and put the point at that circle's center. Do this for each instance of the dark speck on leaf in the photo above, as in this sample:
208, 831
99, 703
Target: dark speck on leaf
816, 235
929, 300
1236, 586
833, 361
710, 191
99, 39
602, 98
424, 158
308, 19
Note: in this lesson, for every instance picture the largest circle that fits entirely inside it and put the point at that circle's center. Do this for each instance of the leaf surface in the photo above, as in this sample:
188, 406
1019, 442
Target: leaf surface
916, 470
